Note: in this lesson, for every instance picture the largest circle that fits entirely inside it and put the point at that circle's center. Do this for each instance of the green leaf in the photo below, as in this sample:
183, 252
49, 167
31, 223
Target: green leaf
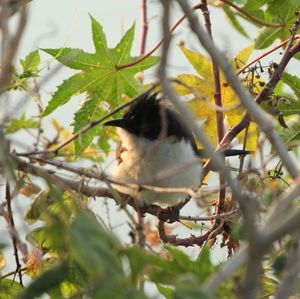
17, 124
282, 11
234, 21
48, 280
100, 77
254, 4
165, 291
38, 206
138, 259
266, 36
91, 110
288, 105
291, 135
73, 58
293, 82
31, 62
188, 288
76, 84
9, 288
204, 267
97, 254
103, 53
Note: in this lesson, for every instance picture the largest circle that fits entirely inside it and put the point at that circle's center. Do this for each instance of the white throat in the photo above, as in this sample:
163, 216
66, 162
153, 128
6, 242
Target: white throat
167, 163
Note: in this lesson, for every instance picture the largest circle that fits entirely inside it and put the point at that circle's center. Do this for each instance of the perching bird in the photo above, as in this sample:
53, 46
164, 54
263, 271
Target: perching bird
156, 149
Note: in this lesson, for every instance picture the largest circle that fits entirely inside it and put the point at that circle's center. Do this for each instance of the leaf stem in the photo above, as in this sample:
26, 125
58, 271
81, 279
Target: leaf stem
250, 17
175, 25
297, 36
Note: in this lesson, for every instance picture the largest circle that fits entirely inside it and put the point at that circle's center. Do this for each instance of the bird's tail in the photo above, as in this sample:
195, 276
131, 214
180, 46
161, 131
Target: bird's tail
227, 153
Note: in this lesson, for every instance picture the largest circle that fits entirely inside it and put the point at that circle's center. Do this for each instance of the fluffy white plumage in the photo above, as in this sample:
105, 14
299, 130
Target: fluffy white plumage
143, 161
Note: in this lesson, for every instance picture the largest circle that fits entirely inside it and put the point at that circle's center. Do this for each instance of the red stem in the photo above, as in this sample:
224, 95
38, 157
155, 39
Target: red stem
217, 81
266, 54
197, 6
144, 27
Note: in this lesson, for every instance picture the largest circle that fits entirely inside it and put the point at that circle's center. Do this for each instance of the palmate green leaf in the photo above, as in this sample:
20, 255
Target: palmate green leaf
293, 82
99, 70
73, 58
99, 77
91, 110
76, 84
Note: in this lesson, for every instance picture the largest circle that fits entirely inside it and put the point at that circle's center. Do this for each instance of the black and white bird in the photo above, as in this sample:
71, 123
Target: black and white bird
155, 149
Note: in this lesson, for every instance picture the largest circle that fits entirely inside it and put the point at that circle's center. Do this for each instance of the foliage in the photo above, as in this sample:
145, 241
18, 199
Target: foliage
100, 77
74, 251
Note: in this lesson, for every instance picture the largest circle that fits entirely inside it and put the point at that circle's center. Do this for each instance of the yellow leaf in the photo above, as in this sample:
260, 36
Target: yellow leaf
195, 82
200, 63
56, 125
242, 57
205, 86
202, 111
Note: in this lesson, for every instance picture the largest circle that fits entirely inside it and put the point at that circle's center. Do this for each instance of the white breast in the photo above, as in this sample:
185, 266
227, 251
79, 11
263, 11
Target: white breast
146, 162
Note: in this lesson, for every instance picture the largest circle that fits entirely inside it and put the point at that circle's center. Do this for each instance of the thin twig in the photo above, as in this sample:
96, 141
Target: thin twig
186, 242
87, 127
242, 69
13, 233
212, 217
144, 27
264, 120
10, 43
176, 24
252, 18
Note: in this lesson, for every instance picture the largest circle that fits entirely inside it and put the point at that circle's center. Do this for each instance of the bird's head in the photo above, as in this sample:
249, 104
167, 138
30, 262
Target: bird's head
146, 118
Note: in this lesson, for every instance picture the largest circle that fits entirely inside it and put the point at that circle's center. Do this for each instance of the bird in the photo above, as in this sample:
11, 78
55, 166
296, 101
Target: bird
155, 149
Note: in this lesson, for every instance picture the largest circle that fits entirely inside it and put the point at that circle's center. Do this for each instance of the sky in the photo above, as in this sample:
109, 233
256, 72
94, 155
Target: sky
66, 23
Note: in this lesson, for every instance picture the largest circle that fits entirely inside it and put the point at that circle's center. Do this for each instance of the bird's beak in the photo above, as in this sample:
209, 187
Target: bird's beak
121, 123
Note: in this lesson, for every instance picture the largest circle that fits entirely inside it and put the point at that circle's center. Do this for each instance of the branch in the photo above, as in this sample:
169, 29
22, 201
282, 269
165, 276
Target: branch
13, 233
87, 127
144, 27
186, 242
10, 43
250, 17
291, 270
179, 21
262, 119
270, 234
242, 69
